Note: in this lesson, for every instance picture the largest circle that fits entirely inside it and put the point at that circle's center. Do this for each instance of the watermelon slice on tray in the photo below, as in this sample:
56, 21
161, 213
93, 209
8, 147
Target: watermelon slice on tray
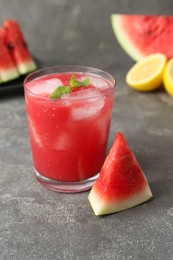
15, 57
121, 183
18, 48
142, 35
8, 69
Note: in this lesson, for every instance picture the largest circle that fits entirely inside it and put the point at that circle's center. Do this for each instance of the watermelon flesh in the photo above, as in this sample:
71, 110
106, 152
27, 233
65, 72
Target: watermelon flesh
121, 183
18, 48
142, 35
8, 69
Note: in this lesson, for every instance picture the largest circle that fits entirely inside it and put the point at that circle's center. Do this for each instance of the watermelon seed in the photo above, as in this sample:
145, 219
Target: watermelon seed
10, 46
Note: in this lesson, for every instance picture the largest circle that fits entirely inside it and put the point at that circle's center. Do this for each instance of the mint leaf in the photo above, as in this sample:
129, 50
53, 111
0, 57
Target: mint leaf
75, 83
60, 91
86, 82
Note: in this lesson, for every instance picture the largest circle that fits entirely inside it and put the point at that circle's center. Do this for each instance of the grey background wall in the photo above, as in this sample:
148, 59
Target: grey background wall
54, 28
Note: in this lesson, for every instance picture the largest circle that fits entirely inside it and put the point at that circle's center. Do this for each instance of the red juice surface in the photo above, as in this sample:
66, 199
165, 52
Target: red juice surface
69, 135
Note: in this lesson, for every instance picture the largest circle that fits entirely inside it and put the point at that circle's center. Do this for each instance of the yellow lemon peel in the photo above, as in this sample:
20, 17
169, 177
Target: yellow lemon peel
168, 77
147, 74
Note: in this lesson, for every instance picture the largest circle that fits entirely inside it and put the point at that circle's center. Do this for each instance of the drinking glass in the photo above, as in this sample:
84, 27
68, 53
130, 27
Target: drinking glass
69, 135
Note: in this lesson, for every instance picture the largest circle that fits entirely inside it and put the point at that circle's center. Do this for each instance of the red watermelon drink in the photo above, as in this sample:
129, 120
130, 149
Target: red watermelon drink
69, 113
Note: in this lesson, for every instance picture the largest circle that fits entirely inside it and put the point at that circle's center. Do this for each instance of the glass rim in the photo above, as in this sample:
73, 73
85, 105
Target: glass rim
69, 68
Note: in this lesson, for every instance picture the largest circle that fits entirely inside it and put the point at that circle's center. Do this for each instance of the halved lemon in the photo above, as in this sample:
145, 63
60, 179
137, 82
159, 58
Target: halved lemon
147, 74
168, 77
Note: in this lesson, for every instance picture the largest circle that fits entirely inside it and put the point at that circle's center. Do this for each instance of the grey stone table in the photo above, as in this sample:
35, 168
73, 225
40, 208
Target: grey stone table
36, 223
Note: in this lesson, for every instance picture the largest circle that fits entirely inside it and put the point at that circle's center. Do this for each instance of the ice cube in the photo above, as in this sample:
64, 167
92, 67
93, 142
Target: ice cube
84, 94
87, 103
34, 133
98, 82
63, 141
46, 86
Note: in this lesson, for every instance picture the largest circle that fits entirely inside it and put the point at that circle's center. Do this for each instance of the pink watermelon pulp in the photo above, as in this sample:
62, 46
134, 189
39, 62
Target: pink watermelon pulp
121, 183
15, 58
141, 35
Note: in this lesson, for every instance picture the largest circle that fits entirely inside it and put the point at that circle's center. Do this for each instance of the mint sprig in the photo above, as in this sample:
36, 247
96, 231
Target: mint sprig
76, 83
63, 90
60, 91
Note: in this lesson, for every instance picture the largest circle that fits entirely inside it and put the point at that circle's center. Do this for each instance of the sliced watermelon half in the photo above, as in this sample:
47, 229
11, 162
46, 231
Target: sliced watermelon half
121, 183
142, 35
8, 69
18, 48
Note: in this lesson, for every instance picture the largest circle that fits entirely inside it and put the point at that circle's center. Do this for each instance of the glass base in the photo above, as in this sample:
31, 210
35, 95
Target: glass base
66, 187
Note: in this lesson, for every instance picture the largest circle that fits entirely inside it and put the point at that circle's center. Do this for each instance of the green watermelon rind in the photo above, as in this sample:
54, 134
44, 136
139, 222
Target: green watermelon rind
102, 206
26, 67
124, 39
8, 74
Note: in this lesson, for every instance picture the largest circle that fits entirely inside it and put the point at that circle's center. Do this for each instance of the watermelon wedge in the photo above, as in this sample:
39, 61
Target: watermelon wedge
142, 35
18, 48
121, 183
8, 69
